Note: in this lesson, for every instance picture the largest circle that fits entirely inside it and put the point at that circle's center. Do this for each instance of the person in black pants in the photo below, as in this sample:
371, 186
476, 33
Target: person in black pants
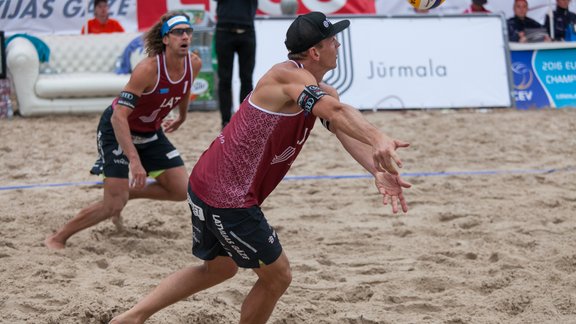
234, 34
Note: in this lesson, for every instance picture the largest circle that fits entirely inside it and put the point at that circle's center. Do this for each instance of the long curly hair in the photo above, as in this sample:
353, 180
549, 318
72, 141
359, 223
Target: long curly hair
153, 44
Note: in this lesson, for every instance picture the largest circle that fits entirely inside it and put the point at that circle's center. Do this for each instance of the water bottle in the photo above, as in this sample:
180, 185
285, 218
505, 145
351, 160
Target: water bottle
570, 34
9, 109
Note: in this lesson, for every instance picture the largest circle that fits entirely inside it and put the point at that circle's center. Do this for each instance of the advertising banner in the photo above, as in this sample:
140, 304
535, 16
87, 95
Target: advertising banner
68, 16
544, 77
148, 14
40, 17
415, 62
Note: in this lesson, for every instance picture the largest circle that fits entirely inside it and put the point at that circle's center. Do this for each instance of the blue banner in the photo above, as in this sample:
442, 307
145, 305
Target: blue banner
544, 78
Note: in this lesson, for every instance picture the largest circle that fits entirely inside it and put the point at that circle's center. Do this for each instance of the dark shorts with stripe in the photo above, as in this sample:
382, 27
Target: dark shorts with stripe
155, 150
240, 233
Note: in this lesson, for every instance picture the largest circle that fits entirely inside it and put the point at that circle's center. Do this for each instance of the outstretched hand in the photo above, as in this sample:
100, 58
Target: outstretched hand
390, 186
385, 156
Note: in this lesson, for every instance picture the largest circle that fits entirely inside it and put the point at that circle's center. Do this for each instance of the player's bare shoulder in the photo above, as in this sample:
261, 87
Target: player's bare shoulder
147, 65
283, 73
144, 75
290, 72
272, 90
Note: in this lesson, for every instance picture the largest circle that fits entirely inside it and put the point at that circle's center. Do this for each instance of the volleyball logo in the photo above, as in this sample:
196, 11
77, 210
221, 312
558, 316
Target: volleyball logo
425, 4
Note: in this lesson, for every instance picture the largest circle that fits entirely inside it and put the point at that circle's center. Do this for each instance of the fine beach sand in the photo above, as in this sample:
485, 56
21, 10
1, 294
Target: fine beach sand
494, 247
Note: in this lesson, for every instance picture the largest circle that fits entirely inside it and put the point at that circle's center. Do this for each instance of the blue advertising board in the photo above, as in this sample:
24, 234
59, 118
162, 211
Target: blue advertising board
544, 76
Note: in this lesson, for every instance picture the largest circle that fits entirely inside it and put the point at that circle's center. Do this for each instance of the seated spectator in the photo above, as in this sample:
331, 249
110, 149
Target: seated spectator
520, 23
101, 23
477, 6
563, 19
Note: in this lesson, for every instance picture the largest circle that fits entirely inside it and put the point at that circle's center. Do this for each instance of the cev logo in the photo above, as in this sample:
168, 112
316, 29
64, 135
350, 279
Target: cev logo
272, 7
523, 76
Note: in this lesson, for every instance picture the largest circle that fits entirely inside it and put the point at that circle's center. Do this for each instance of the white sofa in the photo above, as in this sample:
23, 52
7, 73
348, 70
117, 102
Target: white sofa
80, 77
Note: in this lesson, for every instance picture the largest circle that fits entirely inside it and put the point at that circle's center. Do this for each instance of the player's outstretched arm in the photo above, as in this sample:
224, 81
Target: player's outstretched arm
348, 120
298, 86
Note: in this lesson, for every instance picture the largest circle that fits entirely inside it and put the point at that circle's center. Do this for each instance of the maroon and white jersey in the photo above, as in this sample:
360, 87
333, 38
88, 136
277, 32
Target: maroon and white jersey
154, 105
250, 157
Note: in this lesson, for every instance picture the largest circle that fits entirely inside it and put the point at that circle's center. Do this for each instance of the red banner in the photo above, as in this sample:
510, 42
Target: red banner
150, 11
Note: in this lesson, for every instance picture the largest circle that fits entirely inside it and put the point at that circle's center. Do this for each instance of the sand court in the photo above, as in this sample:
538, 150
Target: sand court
489, 237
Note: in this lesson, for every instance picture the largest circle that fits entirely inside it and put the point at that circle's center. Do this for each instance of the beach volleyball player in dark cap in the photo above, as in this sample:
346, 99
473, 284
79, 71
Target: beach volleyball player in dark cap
250, 157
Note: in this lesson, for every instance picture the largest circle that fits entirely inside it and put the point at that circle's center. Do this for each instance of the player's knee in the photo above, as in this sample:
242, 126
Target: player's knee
180, 195
286, 278
177, 194
113, 208
281, 281
178, 191
229, 272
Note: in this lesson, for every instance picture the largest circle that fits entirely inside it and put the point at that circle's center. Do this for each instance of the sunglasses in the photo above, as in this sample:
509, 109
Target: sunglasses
180, 31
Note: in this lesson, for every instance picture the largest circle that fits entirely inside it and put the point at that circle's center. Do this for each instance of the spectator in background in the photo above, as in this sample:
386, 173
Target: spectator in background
102, 23
518, 24
234, 35
477, 6
563, 19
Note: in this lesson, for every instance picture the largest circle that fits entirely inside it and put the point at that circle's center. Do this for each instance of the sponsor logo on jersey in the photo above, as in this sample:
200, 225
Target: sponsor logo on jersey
287, 154
121, 161
172, 154
227, 238
117, 151
196, 210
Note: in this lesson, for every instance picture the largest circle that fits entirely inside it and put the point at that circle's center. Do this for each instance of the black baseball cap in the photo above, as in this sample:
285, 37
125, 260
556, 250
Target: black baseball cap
309, 29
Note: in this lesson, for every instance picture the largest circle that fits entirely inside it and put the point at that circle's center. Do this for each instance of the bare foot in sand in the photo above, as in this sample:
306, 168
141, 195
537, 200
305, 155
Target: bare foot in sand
117, 221
52, 243
120, 319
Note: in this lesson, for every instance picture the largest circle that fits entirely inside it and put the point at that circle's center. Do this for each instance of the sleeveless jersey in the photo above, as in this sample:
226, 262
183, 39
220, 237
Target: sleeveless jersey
155, 104
250, 157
